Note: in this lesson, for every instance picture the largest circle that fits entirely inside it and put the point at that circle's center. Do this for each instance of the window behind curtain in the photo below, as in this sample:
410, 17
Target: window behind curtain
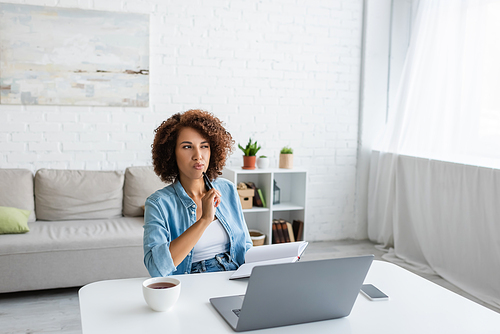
448, 101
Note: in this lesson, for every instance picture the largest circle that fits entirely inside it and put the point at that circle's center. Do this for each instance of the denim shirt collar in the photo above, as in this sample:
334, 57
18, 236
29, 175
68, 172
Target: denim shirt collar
182, 194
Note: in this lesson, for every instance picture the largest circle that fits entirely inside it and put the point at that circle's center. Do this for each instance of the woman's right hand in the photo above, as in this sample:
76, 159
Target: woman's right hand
183, 244
209, 202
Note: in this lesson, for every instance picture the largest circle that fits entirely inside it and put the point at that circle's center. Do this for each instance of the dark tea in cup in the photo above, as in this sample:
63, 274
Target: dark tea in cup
161, 285
161, 293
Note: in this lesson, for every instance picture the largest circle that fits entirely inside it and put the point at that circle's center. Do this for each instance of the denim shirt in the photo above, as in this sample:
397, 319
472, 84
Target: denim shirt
170, 211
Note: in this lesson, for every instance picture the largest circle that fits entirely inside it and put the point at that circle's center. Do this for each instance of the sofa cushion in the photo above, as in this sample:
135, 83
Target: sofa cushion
19, 183
60, 236
57, 254
13, 220
140, 182
78, 194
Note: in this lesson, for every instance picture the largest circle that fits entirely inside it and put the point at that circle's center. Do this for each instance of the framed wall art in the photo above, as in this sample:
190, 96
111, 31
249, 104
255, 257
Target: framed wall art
64, 56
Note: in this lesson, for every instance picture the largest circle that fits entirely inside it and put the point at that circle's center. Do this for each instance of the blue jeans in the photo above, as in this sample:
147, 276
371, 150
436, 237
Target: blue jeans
221, 262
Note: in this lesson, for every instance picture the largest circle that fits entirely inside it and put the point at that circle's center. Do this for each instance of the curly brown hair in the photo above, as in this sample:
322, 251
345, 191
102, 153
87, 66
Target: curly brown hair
210, 127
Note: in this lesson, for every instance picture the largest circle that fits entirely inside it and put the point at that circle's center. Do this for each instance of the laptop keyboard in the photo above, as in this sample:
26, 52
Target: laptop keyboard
237, 311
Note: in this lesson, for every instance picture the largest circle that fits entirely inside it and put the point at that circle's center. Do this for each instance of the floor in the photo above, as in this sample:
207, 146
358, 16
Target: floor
57, 311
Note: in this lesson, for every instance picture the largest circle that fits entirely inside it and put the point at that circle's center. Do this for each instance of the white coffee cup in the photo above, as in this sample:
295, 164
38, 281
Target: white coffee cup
161, 299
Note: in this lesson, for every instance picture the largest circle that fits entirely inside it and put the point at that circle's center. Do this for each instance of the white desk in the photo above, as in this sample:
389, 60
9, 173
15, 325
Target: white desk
415, 306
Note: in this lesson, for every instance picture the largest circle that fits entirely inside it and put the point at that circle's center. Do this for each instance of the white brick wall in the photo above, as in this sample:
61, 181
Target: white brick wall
282, 72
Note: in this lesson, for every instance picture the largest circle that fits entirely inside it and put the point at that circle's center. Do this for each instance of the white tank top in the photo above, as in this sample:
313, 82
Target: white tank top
213, 241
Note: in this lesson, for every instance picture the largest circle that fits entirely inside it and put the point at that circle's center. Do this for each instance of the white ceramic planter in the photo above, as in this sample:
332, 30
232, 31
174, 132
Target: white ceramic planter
263, 163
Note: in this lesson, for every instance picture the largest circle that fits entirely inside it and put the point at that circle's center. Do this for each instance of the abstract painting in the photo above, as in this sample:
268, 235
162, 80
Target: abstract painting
63, 56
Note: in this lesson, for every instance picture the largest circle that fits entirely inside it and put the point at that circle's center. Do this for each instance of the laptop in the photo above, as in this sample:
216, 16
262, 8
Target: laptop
295, 293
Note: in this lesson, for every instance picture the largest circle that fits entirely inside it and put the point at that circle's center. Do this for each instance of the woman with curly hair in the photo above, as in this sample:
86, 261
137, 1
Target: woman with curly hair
188, 226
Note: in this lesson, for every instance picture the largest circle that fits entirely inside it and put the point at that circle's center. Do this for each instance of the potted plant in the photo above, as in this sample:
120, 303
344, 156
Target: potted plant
262, 162
249, 154
286, 157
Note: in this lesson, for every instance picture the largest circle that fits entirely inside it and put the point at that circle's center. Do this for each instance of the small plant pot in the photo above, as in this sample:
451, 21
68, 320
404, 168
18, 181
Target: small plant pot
263, 163
286, 161
249, 162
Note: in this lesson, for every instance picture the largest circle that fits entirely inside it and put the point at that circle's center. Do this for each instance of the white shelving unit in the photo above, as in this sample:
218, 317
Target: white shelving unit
293, 186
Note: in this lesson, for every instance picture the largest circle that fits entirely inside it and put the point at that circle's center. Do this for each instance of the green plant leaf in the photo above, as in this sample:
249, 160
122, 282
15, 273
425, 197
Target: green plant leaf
251, 149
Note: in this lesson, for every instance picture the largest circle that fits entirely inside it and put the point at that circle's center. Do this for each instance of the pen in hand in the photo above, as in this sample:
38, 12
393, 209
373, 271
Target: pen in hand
209, 186
207, 181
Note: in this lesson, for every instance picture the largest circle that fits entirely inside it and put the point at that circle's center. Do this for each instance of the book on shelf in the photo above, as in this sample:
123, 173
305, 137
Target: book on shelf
284, 230
257, 201
268, 255
290, 231
275, 239
278, 236
261, 196
298, 229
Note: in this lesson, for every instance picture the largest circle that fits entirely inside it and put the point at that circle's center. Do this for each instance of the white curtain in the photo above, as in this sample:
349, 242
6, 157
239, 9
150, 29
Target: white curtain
441, 217
448, 103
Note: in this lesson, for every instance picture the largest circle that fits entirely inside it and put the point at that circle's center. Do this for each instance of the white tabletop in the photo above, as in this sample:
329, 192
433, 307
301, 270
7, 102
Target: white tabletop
415, 306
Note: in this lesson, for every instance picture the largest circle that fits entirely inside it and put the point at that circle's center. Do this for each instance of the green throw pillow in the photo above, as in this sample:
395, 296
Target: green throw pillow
13, 220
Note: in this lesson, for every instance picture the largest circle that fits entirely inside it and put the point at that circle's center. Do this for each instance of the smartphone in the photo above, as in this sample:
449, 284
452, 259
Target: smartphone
373, 293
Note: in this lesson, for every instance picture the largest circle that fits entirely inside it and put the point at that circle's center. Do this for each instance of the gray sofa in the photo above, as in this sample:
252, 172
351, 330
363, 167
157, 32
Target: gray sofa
85, 226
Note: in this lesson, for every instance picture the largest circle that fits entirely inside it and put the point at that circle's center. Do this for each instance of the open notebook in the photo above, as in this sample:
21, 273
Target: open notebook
270, 254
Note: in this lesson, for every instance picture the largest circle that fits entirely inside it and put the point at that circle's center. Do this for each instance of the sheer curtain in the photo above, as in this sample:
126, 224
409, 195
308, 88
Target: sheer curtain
448, 106
428, 198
